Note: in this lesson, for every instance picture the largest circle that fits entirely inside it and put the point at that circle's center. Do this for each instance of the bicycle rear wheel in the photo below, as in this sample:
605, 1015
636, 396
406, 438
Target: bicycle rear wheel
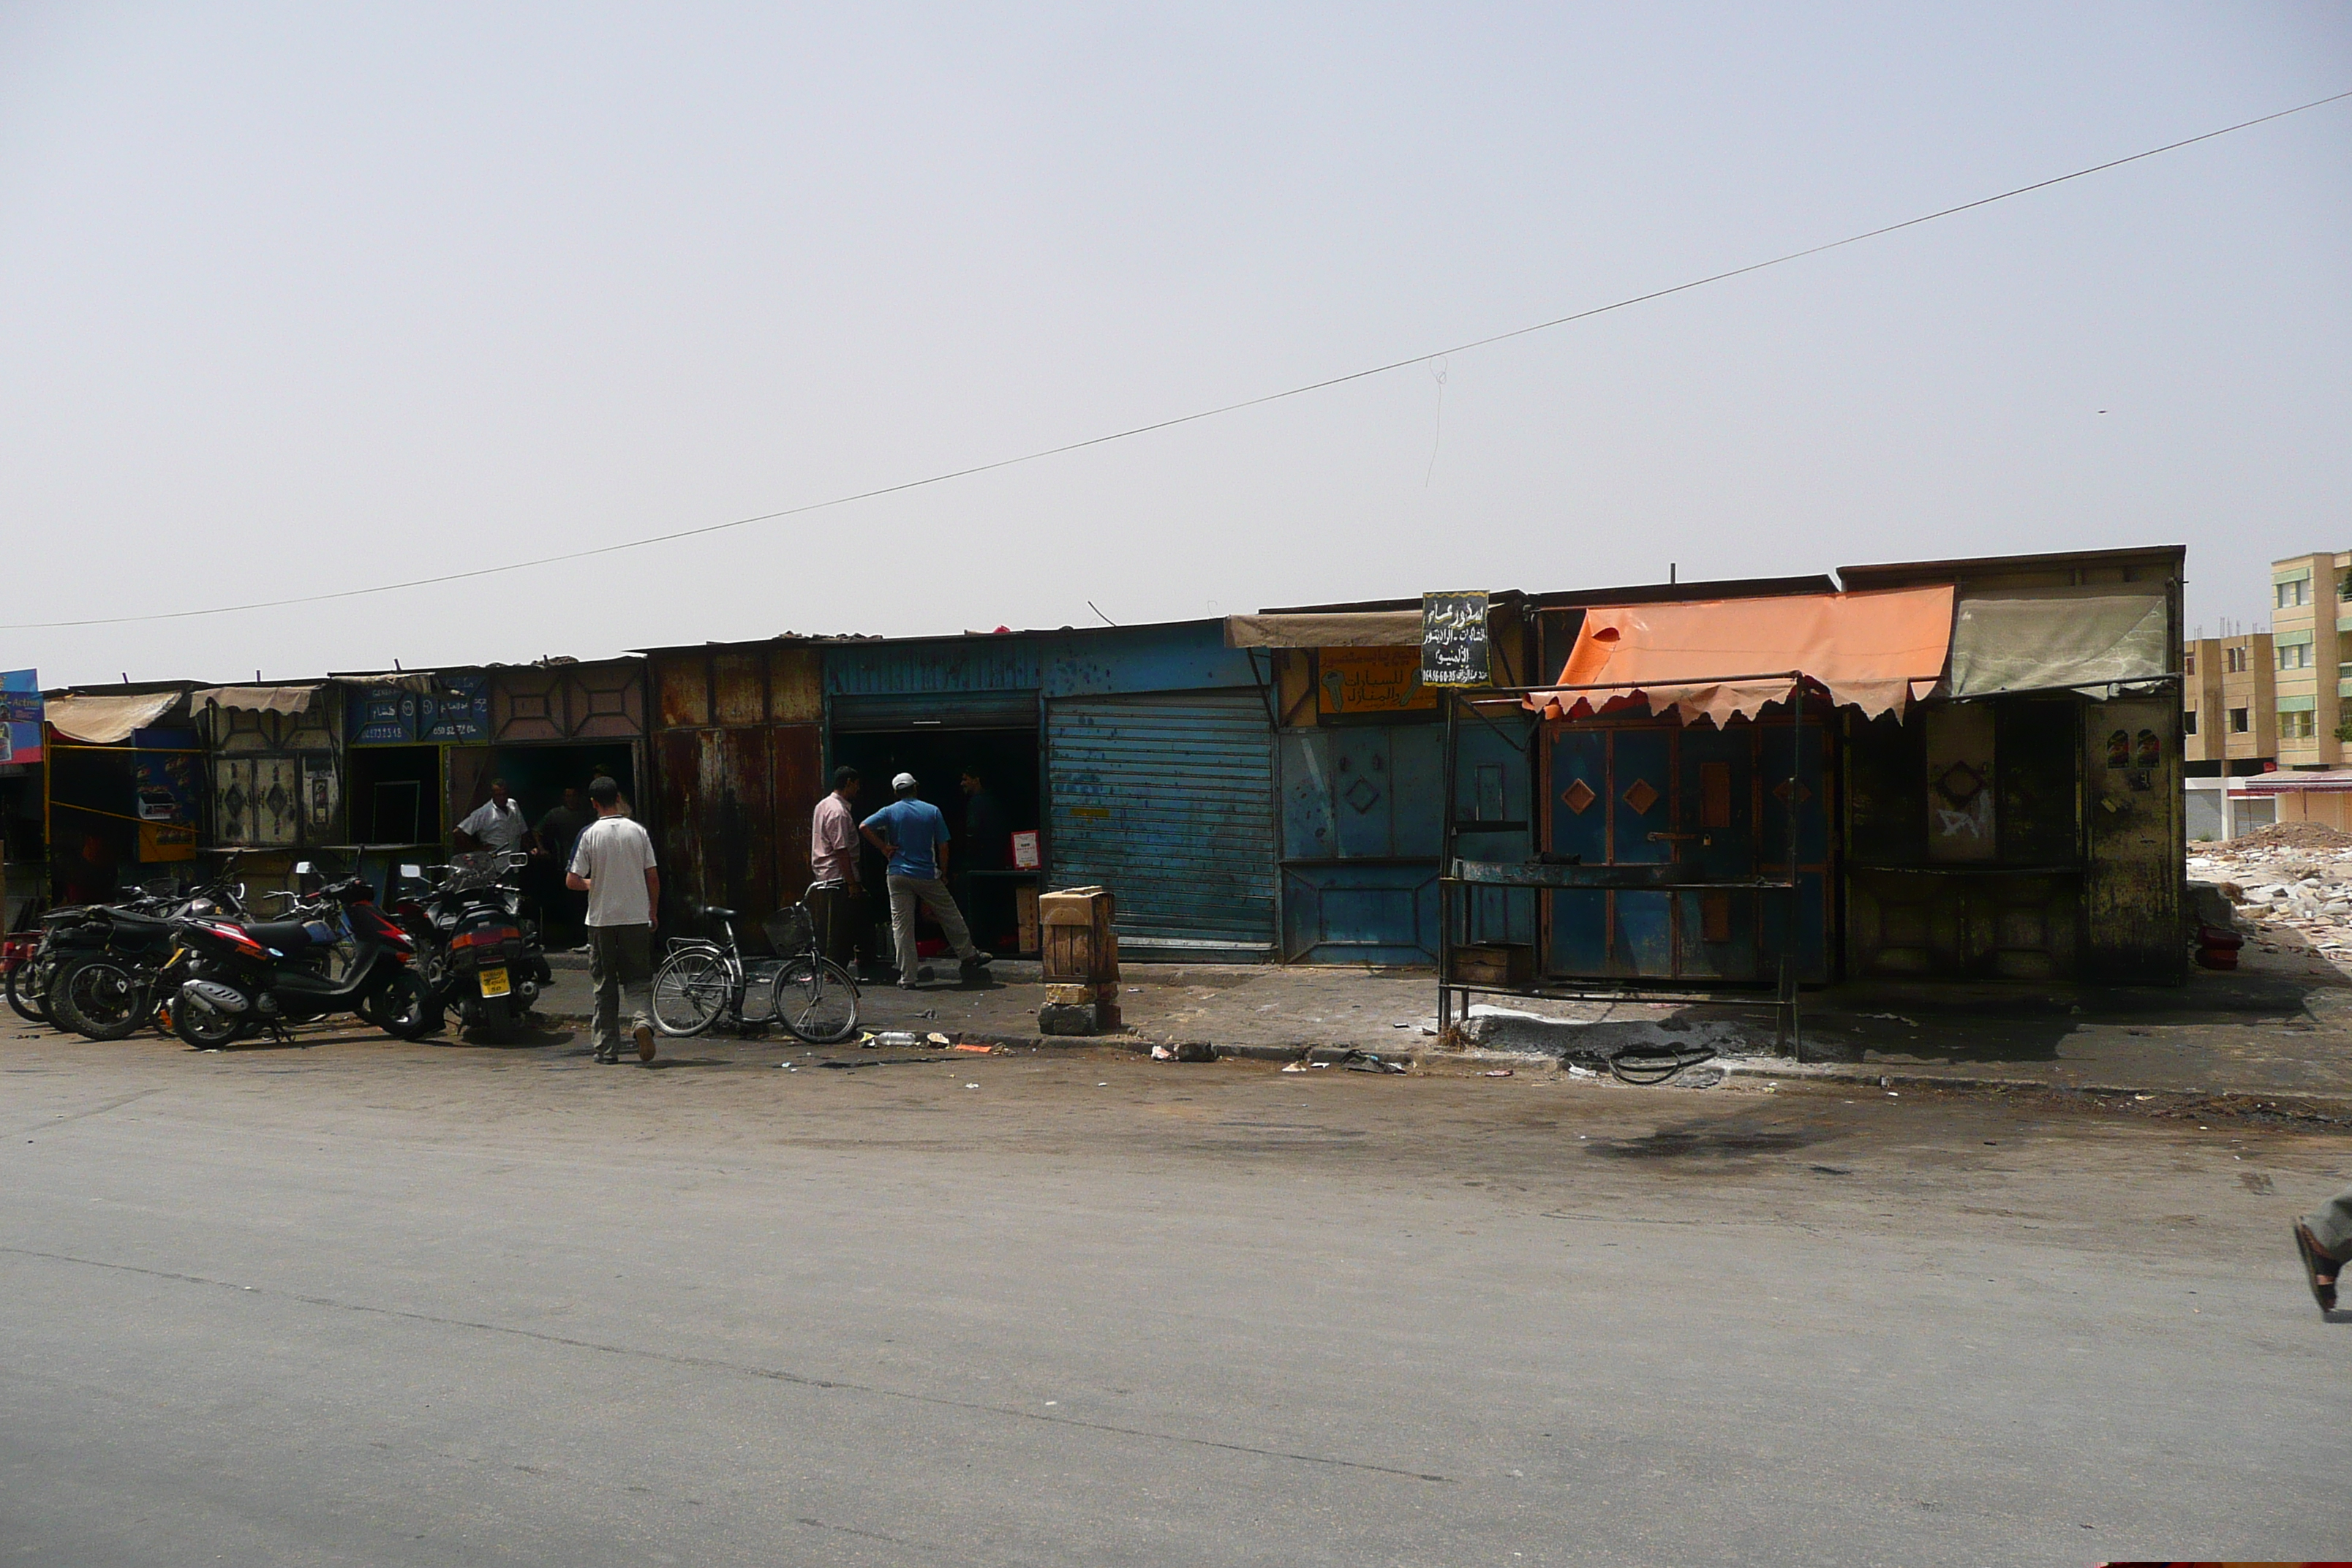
690, 991
816, 1000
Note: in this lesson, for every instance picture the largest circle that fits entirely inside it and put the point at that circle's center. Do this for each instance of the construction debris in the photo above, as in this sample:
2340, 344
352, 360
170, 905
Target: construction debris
2290, 877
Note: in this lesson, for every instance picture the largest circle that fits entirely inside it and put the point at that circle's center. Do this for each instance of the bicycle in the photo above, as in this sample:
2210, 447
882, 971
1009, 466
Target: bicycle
703, 984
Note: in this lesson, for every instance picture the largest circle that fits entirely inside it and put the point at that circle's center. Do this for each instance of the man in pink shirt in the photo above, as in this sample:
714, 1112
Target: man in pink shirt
836, 898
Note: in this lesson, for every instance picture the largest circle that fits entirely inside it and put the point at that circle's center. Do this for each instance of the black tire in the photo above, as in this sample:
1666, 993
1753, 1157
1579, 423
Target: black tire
101, 998
25, 993
404, 1007
206, 1028
816, 999
495, 1019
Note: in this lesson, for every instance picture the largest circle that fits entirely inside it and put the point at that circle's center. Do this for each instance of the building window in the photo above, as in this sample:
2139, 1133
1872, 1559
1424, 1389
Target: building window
2236, 659
2294, 656
2296, 726
2298, 591
2238, 720
2189, 721
2189, 662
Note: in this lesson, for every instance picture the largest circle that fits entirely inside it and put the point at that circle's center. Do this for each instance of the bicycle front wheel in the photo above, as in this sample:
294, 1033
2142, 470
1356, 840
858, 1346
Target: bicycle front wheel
817, 1000
690, 991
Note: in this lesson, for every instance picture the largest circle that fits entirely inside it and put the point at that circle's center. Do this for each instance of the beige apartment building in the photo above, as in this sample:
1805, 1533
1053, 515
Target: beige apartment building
2228, 721
2311, 621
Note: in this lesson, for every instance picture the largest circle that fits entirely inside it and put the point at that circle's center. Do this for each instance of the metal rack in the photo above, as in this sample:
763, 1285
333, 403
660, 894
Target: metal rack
1537, 873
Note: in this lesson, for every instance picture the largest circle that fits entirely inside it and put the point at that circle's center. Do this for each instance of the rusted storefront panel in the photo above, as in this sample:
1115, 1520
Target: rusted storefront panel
606, 700
795, 684
678, 770
739, 687
683, 681
736, 802
799, 784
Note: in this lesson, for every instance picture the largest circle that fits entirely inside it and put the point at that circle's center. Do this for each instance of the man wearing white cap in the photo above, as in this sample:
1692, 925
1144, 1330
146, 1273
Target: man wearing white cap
915, 835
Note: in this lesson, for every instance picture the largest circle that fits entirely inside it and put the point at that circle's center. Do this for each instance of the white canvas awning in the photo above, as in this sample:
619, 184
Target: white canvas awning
2055, 639
1335, 628
257, 699
107, 721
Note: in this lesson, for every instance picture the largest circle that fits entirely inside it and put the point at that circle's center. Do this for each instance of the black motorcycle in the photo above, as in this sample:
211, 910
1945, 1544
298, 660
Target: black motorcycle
100, 968
477, 952
272, 973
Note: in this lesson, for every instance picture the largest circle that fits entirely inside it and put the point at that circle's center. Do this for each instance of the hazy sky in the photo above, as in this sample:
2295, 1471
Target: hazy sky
306, 297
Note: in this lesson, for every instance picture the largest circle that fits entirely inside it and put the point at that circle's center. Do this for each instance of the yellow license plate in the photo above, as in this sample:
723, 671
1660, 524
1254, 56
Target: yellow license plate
493, 982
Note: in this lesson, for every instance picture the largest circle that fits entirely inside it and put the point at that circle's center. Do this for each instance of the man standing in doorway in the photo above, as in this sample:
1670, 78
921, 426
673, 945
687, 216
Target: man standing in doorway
915, 835
613, 863
987, 846
836, 900
497, 825
559, 828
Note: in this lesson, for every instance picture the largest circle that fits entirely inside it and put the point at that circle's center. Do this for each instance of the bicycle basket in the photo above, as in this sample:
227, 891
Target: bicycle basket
789, 929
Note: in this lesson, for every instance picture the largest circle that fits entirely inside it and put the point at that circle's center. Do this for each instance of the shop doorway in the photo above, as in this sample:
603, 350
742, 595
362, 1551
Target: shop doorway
980, 870
395, 795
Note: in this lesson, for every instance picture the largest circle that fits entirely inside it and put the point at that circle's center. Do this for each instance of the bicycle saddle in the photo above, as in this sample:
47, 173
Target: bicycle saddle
713, 912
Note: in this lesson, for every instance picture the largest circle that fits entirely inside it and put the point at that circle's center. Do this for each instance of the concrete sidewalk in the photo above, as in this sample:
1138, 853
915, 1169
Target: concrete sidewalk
2282, 1025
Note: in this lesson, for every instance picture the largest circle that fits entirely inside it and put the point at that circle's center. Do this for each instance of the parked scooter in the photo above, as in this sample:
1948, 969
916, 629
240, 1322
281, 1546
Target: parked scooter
270, 974
476, 951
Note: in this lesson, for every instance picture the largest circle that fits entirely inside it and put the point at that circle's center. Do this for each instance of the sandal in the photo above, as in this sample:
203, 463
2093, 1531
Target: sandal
2321, 1290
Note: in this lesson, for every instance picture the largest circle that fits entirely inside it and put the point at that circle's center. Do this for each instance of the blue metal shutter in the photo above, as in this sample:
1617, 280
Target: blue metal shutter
1168, 801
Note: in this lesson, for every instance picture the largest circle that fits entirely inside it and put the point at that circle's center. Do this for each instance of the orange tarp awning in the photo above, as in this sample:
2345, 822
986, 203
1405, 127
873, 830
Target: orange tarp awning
1873, 651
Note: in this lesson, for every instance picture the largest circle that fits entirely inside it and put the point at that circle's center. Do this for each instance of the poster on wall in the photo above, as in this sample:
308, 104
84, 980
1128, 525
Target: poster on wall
20, 717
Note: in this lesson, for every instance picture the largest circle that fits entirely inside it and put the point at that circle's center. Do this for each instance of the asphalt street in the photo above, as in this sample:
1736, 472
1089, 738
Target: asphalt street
367, 1302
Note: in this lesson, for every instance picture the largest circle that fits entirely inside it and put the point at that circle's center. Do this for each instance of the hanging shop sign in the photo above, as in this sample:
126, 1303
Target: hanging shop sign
20, 717
1454, 646
1371, 680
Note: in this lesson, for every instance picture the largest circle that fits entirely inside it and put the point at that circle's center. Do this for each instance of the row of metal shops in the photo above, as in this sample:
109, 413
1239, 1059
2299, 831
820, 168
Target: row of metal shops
1284, 786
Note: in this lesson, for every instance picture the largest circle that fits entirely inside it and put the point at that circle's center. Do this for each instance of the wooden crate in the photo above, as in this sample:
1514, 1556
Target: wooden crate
1495, 963
1024, 907
1079, 945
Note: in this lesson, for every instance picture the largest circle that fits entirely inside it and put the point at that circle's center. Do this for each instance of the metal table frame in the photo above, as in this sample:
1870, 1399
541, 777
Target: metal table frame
1538, 874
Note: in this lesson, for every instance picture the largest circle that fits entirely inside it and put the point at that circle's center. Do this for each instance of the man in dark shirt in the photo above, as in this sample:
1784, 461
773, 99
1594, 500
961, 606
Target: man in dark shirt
987, 847
557, 831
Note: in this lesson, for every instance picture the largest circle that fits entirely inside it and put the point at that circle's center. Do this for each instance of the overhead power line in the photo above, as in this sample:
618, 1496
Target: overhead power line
1260, 401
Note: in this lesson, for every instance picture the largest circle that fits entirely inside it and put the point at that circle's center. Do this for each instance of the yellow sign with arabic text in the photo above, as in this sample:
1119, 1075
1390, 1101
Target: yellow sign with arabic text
1371, 680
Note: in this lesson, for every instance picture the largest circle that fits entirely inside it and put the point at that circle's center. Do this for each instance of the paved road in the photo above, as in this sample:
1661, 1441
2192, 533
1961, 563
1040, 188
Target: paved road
365, 1302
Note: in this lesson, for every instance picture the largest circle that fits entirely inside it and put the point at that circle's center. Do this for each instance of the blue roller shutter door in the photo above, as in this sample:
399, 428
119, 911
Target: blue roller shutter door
1167, 800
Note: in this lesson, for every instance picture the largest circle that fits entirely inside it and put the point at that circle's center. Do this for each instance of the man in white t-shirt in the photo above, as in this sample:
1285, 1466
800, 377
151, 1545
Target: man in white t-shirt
613, 863
498, 825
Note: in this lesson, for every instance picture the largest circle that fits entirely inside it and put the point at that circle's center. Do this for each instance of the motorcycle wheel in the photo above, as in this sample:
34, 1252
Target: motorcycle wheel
495, 1019
24, 994
405, 1006
100, 998
206, 1028
817, 1000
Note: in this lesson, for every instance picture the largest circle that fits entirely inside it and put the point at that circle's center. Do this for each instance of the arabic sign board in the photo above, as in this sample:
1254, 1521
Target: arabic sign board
20, 716
1371, 680
1453, 649
457, 709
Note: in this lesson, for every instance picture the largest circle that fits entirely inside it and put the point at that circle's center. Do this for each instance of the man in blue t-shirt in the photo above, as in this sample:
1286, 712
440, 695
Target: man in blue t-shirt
915, 835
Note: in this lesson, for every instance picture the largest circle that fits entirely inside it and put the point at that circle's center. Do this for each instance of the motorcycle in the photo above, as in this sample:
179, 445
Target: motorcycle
272, 973
477, 952
95, 969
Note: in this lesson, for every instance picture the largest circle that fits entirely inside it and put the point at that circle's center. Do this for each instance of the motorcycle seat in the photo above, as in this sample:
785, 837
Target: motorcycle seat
286, 936
139, 926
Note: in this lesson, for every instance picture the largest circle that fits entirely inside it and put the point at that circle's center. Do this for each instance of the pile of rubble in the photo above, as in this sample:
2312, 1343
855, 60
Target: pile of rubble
2296, 877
